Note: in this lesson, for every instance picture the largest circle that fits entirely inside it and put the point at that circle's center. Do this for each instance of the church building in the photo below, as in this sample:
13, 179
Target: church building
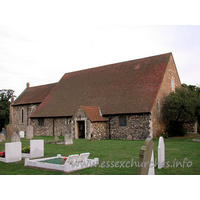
116, 101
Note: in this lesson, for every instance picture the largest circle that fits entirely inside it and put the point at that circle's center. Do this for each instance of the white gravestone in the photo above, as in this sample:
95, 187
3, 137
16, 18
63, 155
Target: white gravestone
161, 153
29, 132
21, 134
12, 152
151, 165
68, 139
36, 149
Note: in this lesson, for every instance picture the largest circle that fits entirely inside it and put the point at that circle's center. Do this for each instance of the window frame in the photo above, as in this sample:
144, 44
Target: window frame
120, 123
40, 121
22, 115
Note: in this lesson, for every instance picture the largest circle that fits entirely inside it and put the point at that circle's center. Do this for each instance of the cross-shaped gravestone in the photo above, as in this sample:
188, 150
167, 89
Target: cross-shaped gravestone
161, 153
145, 158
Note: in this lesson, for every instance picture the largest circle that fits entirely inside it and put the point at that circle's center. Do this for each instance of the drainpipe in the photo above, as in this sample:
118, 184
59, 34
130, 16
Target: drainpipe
109, 127
53, 126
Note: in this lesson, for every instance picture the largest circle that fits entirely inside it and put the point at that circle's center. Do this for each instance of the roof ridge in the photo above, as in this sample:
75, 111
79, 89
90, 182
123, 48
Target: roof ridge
101, 66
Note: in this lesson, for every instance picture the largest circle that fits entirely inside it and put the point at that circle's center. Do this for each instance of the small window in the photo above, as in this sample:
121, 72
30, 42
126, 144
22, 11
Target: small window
41, 122
67, 121
122, 121
22, 116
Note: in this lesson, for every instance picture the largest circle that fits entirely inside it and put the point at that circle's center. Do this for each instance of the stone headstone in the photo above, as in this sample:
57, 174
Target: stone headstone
29, 132
3, 131
145, 157
68, 139
21, 134
9, 131
152, 165
161, 153
2, 137
15, 137
56, 137
130, 137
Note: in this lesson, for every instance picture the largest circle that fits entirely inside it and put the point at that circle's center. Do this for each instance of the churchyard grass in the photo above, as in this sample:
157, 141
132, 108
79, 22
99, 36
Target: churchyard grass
115, 157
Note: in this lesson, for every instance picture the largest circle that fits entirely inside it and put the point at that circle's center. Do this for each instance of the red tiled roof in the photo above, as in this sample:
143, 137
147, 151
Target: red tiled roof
93, 113
34, 94
122, 88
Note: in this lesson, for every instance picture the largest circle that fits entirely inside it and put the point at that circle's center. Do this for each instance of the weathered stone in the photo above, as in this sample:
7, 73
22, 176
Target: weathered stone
2, 137
56, 138
29, 132
145, 157
9, 131
15, 137
130, 137
3, 131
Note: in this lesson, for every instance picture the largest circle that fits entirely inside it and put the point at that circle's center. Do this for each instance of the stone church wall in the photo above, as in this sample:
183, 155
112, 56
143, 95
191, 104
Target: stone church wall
51, 126
21, 115
138, 127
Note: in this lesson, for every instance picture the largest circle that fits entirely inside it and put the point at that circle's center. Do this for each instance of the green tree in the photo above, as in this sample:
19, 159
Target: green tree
181, 107
5, 97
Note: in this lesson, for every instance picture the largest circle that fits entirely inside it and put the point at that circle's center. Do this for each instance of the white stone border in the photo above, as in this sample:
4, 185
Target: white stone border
65, 167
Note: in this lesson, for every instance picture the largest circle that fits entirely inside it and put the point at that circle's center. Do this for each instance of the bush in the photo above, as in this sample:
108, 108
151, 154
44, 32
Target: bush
164, 135
176, 129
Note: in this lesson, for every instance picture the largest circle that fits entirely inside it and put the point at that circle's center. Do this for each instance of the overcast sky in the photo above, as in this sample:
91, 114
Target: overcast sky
57, 41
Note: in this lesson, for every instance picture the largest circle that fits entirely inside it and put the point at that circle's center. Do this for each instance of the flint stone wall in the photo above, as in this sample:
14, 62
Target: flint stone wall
138, 127
18, 124
99, 130
52, 126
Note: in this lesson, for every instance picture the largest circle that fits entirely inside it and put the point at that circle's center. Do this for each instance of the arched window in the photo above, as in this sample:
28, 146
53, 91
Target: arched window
158, 105
22, 116
173, 87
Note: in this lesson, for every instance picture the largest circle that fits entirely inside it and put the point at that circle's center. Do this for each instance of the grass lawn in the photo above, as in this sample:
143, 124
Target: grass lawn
115, 157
